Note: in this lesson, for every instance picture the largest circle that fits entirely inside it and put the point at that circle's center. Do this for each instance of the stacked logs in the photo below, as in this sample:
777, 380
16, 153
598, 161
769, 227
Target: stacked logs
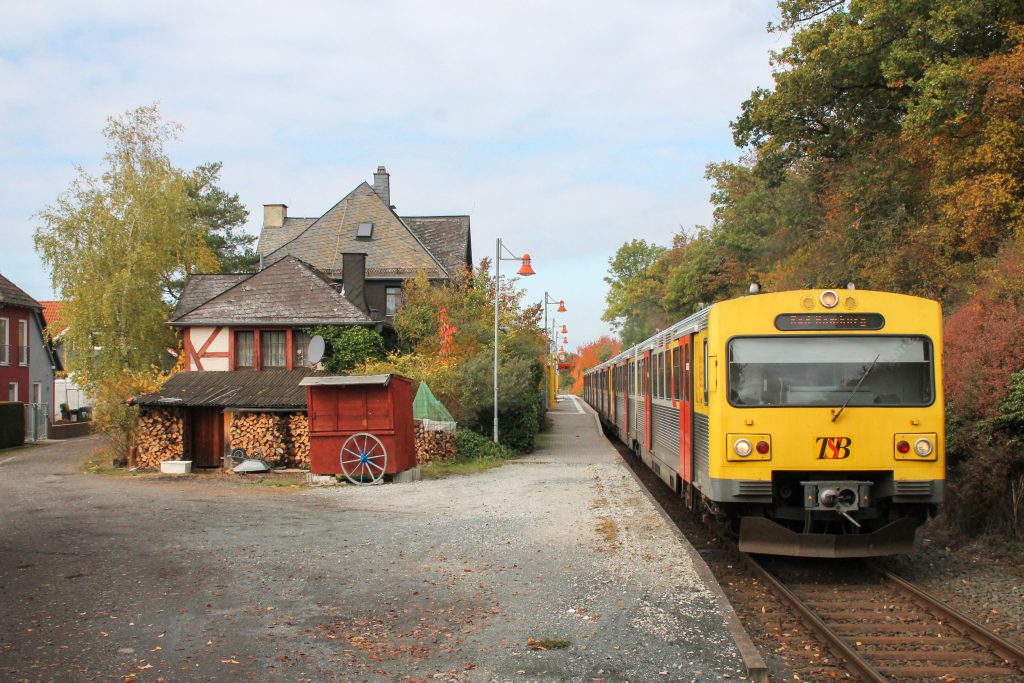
298, 428
161, 436
433, 445
266, 433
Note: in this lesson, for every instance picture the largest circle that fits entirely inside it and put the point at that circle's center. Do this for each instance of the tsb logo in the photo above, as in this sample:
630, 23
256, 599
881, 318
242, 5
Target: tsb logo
833, 447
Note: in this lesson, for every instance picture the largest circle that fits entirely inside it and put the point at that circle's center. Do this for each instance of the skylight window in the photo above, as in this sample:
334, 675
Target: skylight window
365, 230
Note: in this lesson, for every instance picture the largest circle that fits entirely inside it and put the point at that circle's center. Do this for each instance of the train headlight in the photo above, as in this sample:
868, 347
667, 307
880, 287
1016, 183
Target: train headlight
915, 447
748, 447
829, 299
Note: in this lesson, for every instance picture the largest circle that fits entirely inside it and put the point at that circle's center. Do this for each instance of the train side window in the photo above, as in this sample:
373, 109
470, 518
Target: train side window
688, 377
662, 374
666, 375
677, 365
705, 372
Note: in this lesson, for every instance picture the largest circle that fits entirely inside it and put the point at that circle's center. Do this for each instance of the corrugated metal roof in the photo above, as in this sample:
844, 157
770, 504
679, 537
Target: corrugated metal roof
349, 380
239, 389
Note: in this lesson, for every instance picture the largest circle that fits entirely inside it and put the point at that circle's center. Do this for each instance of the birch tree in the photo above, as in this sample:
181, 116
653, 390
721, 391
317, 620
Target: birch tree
115, 243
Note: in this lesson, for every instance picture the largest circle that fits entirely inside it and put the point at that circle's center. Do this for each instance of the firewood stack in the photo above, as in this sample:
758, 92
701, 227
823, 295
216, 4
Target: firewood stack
298, 427
160, 437
433, 445
265, 432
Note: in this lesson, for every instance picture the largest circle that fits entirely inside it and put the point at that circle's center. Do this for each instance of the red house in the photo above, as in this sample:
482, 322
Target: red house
27, 361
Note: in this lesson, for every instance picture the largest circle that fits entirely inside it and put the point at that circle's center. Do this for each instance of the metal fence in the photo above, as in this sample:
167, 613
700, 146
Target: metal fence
36, 421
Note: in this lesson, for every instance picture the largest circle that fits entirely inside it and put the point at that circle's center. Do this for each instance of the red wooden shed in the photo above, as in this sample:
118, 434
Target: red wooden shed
342, 409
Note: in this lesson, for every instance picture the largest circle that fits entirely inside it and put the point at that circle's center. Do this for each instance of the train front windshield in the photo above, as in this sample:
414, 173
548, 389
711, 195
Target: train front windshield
831, 371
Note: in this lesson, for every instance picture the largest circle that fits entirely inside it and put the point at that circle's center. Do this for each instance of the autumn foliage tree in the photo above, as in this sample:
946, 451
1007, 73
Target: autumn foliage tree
453, 352
591, 354
118, 245
889, 152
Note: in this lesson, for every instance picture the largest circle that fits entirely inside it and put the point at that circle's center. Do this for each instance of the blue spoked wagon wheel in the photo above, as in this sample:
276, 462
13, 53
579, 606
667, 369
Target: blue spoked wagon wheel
363, 459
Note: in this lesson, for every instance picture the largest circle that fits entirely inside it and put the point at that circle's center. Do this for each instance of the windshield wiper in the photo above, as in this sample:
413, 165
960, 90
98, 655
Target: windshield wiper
854, 392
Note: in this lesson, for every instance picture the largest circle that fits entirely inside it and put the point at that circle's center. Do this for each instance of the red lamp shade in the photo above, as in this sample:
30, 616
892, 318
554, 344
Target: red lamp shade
561, 307
526, 268
565, 340
564, 331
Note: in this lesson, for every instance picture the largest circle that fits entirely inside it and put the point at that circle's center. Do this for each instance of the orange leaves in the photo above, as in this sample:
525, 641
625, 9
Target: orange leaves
589, 355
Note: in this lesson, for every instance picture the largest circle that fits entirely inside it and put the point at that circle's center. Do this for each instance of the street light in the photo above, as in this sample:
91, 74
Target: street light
548, 301
526, 269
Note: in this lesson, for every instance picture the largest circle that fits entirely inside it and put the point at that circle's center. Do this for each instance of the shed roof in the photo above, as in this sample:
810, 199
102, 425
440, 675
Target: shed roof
350, 380
254, 389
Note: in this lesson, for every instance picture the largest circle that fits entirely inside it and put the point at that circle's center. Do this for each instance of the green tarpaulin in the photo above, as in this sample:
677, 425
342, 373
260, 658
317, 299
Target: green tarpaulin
426, 406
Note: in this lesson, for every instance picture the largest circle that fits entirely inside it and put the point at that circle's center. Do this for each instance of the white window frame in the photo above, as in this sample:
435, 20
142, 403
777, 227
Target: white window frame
37, 392
23, 332
392, 294
5, 342
12, 391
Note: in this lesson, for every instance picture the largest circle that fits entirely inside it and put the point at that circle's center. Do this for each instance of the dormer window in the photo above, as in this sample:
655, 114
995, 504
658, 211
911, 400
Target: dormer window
364, 231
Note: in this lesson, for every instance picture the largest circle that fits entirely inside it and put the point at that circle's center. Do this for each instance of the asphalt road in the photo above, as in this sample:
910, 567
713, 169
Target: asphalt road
126, 579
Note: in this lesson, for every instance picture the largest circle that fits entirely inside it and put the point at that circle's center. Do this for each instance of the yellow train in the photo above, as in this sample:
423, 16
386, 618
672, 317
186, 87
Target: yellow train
812, 421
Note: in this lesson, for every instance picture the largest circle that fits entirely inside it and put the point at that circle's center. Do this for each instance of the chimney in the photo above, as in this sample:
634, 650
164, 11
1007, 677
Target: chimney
274, 215
353, 279
382, 184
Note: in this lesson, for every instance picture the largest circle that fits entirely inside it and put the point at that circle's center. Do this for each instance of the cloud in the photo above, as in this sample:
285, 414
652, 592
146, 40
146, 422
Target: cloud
565, 127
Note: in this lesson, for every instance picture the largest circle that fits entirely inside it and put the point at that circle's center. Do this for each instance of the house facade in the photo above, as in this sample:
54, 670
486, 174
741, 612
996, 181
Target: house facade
27, 361
245, 338
345, 267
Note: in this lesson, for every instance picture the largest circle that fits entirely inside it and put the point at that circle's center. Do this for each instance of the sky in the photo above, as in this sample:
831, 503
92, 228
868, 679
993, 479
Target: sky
564, 128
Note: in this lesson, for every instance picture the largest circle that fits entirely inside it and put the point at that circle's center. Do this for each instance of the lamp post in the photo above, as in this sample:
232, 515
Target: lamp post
525, 270
548, 356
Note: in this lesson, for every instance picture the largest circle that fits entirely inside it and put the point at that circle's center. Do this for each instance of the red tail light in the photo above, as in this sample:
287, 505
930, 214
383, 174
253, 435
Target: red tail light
762, 447
903, 447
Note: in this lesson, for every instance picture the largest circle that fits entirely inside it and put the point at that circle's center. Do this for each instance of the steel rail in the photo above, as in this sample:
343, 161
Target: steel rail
860, 665
972, 629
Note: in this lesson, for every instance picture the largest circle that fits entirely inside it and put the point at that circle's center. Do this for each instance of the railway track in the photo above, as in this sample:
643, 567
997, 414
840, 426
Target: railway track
840, 620
887, 629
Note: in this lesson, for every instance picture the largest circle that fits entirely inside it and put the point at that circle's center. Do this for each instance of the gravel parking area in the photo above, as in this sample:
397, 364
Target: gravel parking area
553, 567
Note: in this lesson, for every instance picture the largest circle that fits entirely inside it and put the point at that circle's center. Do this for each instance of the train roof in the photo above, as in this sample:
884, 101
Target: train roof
699, 321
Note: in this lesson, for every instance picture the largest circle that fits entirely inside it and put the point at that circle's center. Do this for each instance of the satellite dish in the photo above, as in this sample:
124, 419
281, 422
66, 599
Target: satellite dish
315, 352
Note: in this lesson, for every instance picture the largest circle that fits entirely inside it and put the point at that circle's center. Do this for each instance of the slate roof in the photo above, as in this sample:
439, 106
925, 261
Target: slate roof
288, 292
271, 239
12, 295
447, 238
202, 287
394, 250
53, 314
253, 389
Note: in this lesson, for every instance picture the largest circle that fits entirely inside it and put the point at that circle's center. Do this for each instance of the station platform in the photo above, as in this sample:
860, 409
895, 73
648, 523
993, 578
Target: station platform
555, 566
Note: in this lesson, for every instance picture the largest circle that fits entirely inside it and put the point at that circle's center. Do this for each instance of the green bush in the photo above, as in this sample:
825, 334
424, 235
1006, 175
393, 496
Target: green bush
12, 424
348, 346
472, 446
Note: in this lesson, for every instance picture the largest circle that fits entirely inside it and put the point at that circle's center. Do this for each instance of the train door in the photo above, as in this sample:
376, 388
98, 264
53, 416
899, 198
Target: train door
646, 380
627, 390
616, 390
684, 390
